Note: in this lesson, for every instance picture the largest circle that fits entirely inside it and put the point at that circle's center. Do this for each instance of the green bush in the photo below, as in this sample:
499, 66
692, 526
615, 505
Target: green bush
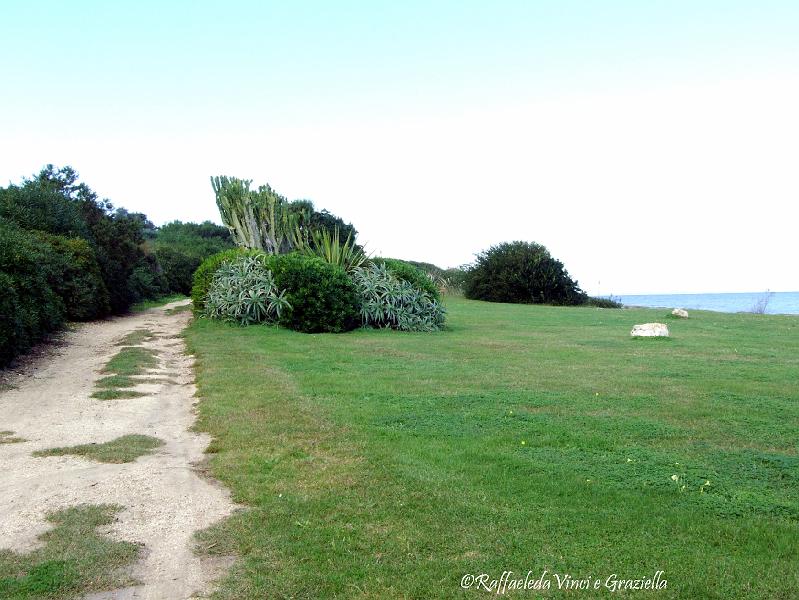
204, 274
243, 291
54, 202
604, 302
415, 276
387, 301
178, 268
29, 307
73, 273
322, 296
521, 272
181, 248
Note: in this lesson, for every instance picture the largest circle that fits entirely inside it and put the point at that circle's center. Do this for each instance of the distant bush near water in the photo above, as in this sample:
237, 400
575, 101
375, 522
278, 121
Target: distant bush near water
521, 272
604, 302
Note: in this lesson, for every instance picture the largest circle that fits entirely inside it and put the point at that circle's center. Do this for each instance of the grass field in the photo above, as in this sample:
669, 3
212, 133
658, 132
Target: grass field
379, 464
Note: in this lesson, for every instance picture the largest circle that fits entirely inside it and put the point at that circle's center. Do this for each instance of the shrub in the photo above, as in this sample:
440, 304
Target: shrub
178, 268
181, 248
73, 273
388, 301
29, 307
204, 274
322, 297
244, 291
521, 272
415, 276
145, 282
604, 302
54, 202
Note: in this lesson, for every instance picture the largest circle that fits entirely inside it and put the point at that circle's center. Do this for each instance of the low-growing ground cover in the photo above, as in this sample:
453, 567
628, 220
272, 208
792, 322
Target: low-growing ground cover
73, 559
8, 437
120, 450
521, 438
128, 362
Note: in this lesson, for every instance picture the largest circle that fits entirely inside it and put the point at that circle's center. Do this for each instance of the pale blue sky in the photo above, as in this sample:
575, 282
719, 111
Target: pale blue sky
651, 145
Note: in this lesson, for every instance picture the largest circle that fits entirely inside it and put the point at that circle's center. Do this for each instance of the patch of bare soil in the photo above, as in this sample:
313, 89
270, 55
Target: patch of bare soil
166, 500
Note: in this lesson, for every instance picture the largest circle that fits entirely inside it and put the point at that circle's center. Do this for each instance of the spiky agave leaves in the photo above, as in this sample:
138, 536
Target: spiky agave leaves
328, 247
390, 302
244, 292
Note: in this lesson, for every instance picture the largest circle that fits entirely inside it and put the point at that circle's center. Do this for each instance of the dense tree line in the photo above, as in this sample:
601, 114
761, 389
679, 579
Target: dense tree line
66, 254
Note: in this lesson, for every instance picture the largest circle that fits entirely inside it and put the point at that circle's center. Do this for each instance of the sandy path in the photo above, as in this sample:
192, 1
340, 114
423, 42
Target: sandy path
165, 499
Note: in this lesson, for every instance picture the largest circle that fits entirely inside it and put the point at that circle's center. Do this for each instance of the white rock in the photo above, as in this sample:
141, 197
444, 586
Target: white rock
680, 312
650, 330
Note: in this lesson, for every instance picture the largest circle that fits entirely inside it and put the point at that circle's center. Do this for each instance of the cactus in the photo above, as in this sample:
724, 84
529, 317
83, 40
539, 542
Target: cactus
258, 219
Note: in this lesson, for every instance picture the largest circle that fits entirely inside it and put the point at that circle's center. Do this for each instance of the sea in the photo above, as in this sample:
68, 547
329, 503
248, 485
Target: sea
779, 303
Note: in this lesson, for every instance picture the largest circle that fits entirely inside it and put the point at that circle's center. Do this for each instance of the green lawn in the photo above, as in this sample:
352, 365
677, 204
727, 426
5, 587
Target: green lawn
379, 464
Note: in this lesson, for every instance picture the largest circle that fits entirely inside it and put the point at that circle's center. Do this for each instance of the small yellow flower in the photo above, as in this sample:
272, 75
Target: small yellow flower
629, 460
707, 482
675, 477
597, 394
524, 443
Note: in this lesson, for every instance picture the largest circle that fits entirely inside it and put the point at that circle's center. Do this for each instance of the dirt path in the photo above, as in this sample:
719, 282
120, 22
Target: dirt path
165, 499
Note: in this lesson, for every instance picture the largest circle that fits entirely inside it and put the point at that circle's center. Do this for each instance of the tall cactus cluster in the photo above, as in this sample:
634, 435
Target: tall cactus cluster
260, 219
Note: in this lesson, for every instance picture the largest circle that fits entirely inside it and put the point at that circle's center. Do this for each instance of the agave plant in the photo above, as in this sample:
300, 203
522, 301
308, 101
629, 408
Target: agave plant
328, 247
244, 292
390, 302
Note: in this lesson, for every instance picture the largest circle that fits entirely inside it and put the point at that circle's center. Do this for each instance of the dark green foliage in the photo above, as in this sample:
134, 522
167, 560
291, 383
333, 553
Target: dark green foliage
604, 302
29, 307
74, 275
204, 275
521, 272
417, 277
326, 221
181, 247
69, 255
322, 296
51, 201
129, 272
54, 202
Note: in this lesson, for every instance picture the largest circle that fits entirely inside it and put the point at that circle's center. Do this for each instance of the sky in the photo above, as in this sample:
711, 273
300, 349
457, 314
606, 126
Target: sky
652, 146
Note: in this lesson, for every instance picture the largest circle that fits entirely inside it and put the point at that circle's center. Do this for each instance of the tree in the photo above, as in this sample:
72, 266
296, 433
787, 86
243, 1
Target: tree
181, 247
